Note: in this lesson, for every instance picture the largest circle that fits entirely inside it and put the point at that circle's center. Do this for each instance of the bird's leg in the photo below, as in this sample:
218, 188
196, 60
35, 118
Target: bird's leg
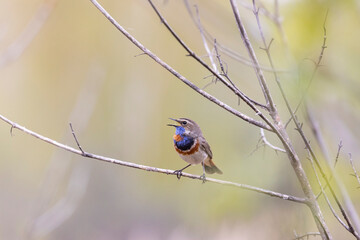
179, 172
202, 177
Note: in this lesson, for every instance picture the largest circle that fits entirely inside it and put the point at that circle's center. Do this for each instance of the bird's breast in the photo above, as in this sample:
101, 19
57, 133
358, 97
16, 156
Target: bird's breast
183, 143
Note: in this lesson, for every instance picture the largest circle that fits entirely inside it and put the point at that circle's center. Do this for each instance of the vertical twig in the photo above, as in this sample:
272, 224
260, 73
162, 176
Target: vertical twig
251, 52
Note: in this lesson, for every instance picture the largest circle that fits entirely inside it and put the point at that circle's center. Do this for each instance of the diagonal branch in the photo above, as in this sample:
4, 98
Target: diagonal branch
149, 168
182, 78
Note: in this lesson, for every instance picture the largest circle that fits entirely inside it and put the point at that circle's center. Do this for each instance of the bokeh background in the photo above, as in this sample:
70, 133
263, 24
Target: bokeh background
62, 61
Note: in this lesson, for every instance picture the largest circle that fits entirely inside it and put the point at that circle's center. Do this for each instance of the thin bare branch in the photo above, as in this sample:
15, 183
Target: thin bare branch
312, 154
275, 17
324, 194
225, 74
76, 140
227, 51
317, 66
306, 235
251, 52
281, 133
354, 224
218, 76
271, 125
151, 169
223, 71
319, 219
266, 48
278, 21
267, 143
264, 11
179, 76
354, 169
206, 46
238, 57
338, 153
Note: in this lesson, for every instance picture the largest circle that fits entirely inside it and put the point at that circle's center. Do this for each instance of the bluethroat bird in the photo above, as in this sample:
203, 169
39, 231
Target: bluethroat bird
192, 147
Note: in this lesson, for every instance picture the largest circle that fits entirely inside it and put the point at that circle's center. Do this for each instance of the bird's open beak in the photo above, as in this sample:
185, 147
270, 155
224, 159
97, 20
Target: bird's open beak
173, 124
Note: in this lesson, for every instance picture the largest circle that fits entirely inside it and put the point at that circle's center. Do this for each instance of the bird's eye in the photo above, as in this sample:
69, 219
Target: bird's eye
184, 123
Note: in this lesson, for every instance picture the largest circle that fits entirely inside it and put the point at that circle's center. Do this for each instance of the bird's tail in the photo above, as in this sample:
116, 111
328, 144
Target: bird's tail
210, 167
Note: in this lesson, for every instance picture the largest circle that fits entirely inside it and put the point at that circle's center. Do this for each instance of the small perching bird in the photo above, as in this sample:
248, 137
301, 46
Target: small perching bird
192, 147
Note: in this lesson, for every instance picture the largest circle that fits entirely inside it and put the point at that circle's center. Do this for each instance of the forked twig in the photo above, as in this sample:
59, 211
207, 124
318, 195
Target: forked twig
267, 143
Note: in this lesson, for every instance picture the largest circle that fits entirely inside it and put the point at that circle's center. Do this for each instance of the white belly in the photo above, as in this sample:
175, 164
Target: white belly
195, 158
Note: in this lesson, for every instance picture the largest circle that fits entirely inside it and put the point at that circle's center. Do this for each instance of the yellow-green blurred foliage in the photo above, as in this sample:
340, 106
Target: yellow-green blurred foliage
78, 68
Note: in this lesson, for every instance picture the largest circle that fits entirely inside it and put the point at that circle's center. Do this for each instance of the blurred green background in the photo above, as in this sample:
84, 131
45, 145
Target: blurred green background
62, 61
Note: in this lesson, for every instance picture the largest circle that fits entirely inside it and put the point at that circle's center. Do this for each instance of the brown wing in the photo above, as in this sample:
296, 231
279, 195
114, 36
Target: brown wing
205, 146
208, 163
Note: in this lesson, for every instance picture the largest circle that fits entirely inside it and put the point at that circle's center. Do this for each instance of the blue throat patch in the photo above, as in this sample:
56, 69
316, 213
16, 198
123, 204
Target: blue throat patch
180, 131
186, 143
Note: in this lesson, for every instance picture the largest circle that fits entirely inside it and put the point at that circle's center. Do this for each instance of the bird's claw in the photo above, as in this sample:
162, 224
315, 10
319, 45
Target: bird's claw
178, 173
203, 178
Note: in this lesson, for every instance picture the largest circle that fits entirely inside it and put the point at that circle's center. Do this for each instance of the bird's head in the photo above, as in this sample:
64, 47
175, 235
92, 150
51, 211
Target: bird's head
186, 127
